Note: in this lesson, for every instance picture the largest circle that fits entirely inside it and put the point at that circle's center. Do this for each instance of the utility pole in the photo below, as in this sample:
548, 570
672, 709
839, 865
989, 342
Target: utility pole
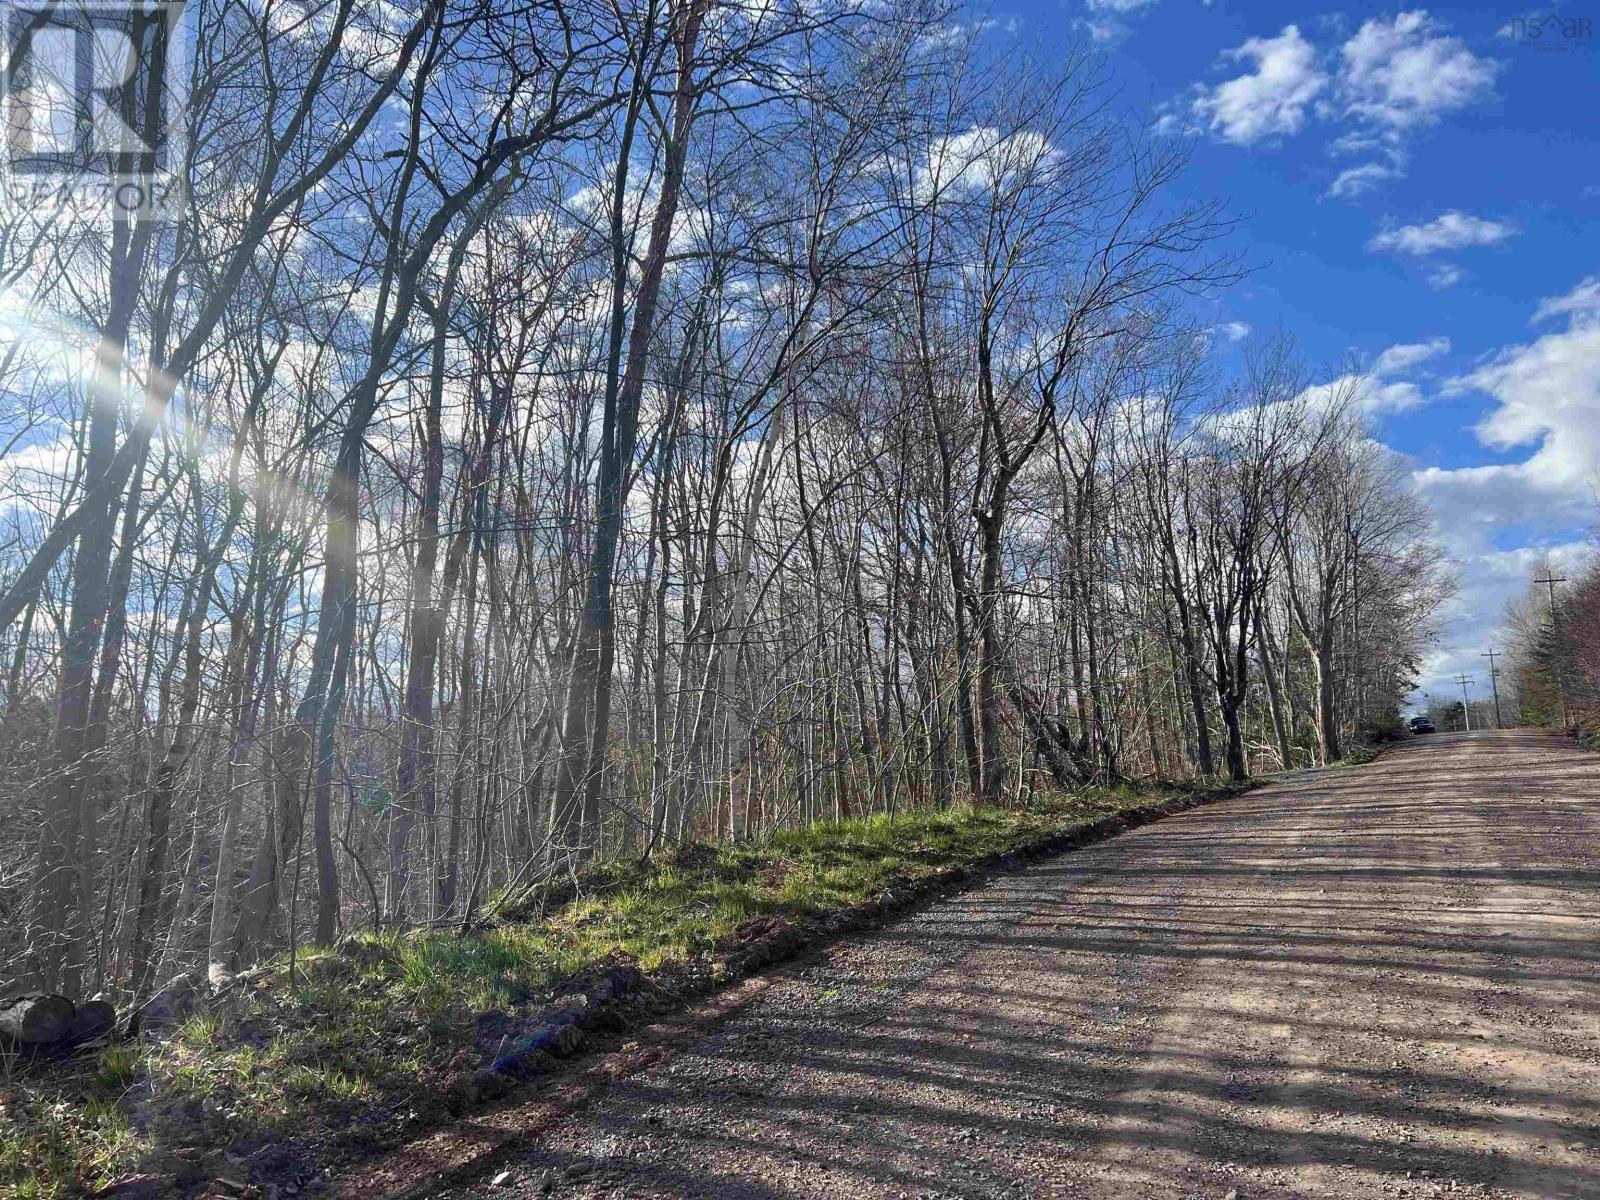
1555, 628
1494, 683
1466, 711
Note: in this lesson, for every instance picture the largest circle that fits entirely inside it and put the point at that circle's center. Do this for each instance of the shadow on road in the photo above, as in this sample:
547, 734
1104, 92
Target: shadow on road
1359, 983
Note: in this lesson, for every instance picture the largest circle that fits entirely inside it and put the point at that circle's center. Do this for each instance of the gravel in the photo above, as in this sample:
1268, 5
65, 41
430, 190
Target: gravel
1378, 982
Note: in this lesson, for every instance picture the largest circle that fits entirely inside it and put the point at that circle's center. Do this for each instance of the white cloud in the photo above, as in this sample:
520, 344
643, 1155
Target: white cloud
44, 466
1452, 230
1473, 619
1370, 395
1404, 71
1271, 99
1379, 392
1394, 75
1397, 359
955, 33
1103, 31
1362, 141
1391, 397
1102, 24
1445, 275
1546, 396
983, 157
1235, 331
1582, 303
1354, 181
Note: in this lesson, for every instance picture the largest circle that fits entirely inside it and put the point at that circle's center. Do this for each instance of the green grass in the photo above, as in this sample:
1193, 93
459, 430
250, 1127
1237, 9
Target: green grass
383, 1024
75, 1132
1356, 756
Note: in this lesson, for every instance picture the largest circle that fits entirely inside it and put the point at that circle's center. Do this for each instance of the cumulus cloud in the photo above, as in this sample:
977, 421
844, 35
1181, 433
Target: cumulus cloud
1452, 230
1381, 390
1234, 331
1393, 76
1546, 396
1398, 359
1370, 394
1378, 392
1403, 71
1272, 98
1383, 397
977, 158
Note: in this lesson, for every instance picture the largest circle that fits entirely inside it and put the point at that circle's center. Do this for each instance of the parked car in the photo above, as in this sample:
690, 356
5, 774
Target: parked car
1420, 725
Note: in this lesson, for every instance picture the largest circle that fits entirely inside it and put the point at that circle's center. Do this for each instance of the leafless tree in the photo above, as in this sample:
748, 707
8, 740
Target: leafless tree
561, 432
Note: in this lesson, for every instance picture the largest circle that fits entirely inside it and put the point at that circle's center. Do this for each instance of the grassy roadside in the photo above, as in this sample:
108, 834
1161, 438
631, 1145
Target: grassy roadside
380, 1037
1356, 756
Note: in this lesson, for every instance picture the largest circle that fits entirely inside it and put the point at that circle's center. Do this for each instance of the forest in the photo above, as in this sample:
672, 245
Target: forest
553, 433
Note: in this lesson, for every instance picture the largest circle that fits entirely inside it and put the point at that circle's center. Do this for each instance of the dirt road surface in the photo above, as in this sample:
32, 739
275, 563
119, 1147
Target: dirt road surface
1358, 983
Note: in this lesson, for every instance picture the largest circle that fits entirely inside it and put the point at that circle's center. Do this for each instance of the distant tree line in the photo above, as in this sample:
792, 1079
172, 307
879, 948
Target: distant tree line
566, 429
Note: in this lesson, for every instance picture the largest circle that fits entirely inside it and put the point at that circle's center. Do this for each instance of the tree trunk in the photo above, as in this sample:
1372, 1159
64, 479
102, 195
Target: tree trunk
1269, 658
1327, 700
415, 777
1191, 666
1238, 769
64, 872
586, 727
991, 760
317, 718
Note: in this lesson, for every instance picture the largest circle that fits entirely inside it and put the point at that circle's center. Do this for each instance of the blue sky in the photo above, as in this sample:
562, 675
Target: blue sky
1418, 181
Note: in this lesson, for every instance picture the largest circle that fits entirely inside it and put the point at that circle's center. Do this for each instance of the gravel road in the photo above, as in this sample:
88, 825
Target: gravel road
1354, 983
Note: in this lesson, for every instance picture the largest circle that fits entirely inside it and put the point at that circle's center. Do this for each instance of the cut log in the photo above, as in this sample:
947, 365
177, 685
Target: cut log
94, 1019
36, 1018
